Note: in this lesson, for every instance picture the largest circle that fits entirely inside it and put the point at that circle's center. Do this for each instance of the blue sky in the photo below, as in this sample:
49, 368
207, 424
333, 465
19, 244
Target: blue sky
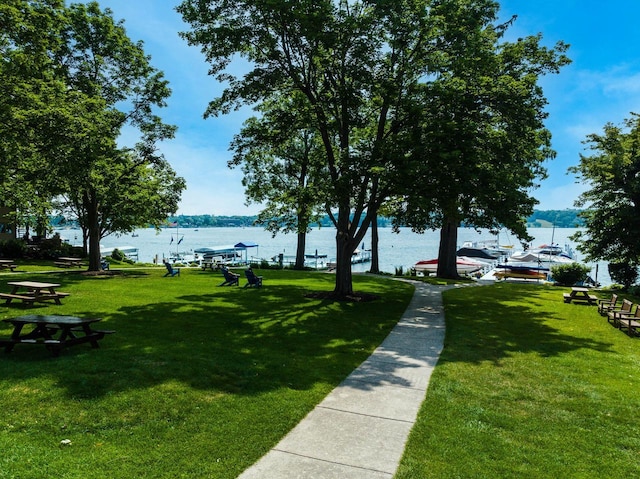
601, 85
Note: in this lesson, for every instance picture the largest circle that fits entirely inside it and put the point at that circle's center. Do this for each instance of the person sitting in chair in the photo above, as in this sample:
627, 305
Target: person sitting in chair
252, 279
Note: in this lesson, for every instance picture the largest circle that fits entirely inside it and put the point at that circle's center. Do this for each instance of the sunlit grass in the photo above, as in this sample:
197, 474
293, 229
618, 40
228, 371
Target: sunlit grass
198, 380
528, 386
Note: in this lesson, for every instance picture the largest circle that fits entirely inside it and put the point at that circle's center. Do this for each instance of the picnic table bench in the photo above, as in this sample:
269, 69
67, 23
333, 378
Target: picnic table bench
35, 291
7, 264
68, 262
580, 295
54, 332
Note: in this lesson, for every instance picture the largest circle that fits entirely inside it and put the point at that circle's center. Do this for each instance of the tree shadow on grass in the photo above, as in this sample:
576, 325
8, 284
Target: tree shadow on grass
513, 319
231, 340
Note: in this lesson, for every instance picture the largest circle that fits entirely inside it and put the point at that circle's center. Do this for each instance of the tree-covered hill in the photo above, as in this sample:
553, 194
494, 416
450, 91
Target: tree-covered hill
559, 218
539, 219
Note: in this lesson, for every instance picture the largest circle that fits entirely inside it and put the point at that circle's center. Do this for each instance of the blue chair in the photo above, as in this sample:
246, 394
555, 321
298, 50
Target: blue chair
104, 264
253, 281
171, 271
230, 279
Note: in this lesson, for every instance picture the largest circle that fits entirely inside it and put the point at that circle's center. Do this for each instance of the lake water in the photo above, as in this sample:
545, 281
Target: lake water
401, 249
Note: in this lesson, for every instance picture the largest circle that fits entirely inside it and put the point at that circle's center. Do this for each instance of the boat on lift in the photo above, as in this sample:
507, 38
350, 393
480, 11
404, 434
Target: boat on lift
464, 265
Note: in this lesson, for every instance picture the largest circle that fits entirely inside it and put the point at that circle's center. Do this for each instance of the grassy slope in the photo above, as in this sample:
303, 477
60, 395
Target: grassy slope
528, 386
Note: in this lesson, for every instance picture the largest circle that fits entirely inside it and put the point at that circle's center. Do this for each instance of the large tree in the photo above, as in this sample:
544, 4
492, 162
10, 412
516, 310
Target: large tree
478, 144
612, 202
99, 61
281, 159
74, 80
353, 62
122, 194
33, 110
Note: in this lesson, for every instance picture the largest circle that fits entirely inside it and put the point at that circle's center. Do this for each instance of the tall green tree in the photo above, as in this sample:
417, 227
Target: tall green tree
353, 62
74, 80
281, 159
478, 144
33, 111
99, 61
125, 193
612, 202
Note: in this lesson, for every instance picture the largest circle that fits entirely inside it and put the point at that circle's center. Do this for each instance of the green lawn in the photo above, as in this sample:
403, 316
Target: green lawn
528, 387
198, 381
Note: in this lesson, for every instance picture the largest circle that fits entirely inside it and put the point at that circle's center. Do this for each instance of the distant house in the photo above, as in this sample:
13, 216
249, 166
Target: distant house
7, 227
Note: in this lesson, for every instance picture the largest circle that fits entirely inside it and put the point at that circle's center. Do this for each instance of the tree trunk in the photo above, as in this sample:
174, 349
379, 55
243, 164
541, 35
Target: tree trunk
302, 241
447, 251
344, 250
91, 206
85, 241
375, 259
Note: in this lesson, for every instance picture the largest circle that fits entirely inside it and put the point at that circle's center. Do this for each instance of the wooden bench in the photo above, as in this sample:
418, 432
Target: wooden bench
208, 264
23, 297
631, 325
30, 298
67, 264
10, 266
624, 310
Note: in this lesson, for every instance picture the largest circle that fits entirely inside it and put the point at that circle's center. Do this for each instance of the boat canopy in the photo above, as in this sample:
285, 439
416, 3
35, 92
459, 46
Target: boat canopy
227, 251
246, 244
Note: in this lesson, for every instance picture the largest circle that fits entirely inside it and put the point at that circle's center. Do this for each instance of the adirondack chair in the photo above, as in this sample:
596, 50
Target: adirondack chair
605, 305
230, 279
252, 279
171, 271
625, 309
630, 322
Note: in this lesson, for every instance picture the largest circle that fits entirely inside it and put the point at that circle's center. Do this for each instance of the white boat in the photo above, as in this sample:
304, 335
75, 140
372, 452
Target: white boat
533, 263
549, 255
463, 264
482, 249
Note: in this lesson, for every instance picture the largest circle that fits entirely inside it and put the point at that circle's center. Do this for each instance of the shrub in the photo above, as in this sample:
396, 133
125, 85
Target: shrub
570, 273
54, 247
623, 273
13, 248
118, 255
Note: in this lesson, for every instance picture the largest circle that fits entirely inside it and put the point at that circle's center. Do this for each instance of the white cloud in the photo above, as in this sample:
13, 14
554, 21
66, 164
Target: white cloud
559, 197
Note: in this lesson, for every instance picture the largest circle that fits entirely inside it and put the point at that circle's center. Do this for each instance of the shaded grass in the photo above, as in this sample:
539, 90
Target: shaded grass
198, 380
528, 386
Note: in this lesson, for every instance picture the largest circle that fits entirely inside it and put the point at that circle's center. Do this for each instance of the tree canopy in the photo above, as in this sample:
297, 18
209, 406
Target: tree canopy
612, 202
411, 100
73, 80
282, 161
476, 148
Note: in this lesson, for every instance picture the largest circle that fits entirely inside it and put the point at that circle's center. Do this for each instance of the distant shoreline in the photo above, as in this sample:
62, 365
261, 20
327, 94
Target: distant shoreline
539, 219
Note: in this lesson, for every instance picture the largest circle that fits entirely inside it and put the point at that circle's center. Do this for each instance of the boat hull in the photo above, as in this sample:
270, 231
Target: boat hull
463, 266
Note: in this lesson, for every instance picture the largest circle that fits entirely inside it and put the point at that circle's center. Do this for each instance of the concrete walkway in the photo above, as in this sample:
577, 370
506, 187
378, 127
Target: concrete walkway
360, 429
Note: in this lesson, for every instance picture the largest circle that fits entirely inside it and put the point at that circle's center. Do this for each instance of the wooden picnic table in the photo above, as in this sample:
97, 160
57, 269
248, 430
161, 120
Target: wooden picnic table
7, 264
68, 262
580, 295
53, 331
35, 291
